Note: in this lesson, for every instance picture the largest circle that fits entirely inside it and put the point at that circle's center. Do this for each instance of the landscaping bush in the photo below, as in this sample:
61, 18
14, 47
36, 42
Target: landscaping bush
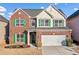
69, 42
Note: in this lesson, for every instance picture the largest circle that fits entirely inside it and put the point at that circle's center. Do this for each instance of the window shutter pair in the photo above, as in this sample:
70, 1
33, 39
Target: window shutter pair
15, 38
15, 22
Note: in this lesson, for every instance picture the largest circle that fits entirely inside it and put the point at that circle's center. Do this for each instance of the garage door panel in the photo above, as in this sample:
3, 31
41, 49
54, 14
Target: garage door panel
52, 40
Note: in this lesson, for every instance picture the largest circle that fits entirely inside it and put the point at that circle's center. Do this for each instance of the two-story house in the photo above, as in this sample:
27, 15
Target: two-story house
42, 27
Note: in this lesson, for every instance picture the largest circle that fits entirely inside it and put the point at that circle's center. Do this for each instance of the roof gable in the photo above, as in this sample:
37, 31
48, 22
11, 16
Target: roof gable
19, 9
3, 19
55, 12
33, 12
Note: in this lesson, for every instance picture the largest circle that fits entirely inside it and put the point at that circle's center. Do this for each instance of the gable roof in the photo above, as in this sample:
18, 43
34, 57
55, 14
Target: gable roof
59, 11
75, 14
3, 19
35, 12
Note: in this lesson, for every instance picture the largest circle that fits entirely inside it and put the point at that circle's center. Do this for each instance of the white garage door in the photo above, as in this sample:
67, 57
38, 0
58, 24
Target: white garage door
52, 40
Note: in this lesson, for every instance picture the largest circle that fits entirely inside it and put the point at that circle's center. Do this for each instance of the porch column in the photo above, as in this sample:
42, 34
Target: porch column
28, 39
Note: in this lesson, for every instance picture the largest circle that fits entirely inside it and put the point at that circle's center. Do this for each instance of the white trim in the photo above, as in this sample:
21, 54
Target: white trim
28, 38
54, 30
51, 23
64, 23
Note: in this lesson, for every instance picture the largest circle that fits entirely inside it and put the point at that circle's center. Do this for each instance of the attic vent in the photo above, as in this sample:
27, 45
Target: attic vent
19, 12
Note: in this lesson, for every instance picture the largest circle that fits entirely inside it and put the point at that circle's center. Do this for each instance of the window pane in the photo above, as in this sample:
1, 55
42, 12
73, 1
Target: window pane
20, 38
46, 22
21, 35
41, 22
21, 22
56, 23
33, 22
17, 22
61, 23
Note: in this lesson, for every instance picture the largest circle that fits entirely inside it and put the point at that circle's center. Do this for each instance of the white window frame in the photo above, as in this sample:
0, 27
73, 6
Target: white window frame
58, 23
20, 38
19, 23
44, 23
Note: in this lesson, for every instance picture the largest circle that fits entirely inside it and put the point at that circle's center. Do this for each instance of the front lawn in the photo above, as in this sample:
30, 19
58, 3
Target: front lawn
20, 51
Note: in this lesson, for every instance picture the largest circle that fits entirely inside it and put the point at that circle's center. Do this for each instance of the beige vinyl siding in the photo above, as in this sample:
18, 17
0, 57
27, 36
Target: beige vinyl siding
44, 16
56, 14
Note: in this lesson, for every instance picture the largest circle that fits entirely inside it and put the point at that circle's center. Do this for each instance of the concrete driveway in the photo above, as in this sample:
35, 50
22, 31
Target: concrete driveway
58, 50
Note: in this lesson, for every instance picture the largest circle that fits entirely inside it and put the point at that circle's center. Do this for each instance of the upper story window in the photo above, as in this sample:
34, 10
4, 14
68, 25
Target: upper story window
19, 22
58, 23
44, 22
33, 23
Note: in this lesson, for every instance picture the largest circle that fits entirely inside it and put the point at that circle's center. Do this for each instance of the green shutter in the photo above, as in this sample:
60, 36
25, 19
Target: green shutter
24, 23
25, 38
14, 38
14, 22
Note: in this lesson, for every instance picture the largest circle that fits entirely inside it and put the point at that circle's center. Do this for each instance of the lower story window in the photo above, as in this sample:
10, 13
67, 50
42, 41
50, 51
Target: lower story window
20, 37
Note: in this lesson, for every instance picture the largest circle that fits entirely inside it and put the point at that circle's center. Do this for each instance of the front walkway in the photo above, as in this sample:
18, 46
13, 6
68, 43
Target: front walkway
58, 50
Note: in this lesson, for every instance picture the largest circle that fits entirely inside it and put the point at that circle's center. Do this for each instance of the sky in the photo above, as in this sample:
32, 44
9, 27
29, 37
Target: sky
6, 9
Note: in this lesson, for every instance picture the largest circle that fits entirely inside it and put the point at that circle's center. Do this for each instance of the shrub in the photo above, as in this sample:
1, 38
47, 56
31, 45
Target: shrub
69, 42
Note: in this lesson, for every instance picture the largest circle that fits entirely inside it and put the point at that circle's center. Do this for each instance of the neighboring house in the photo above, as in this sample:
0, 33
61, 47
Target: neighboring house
73, 23
42, 27
3, 27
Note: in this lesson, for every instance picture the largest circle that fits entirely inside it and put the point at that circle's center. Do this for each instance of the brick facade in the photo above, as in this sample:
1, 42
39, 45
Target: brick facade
14, 29
39, 33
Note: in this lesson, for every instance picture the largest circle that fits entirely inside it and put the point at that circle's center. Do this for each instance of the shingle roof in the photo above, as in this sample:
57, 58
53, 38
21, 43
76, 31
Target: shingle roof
3, 19
33, 12
75, 14
61, 12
